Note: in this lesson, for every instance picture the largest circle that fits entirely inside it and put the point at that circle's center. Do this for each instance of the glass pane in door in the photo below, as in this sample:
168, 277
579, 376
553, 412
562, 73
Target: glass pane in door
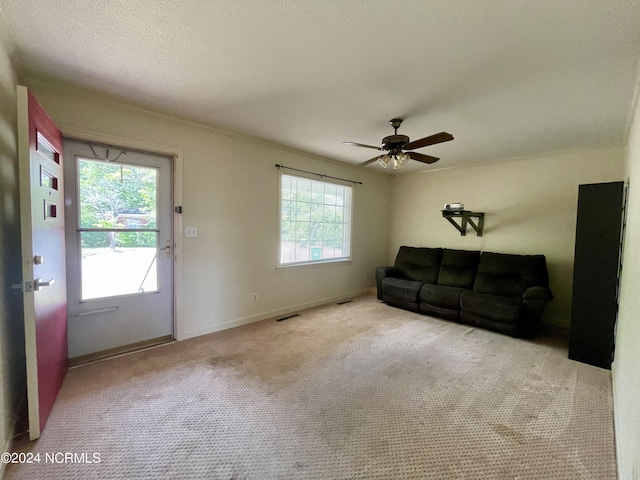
117, 228
118, 263
116, 195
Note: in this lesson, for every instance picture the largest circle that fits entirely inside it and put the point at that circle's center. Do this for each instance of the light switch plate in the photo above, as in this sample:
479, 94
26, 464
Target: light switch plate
191, 232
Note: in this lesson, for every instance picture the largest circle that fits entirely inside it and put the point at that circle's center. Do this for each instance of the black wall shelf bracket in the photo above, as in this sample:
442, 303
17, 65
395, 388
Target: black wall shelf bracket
466, 217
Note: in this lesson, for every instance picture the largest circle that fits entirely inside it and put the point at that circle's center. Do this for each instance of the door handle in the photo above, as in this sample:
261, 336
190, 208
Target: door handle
38, 283
167, 247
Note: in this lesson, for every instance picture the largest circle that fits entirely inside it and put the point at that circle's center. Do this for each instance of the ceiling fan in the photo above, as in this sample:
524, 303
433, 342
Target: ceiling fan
395, 146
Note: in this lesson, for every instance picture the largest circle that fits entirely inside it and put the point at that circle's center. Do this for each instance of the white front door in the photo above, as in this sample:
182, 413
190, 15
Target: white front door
119, 249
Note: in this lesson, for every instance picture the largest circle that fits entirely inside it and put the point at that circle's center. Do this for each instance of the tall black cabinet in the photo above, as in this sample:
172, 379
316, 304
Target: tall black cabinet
595, 273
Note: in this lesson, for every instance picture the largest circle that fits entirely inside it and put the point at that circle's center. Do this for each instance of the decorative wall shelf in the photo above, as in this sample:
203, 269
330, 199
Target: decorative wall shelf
466, 217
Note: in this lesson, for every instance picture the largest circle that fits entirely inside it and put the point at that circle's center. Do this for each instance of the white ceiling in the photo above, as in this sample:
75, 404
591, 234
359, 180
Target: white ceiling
507, 78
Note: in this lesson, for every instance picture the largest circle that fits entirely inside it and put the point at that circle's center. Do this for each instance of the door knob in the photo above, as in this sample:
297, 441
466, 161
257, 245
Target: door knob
38, 260
38, 283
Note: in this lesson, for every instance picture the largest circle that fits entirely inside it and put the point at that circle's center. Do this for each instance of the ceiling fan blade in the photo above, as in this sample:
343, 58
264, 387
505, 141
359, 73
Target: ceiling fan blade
422, 158
364, 164
426, 141
354, 144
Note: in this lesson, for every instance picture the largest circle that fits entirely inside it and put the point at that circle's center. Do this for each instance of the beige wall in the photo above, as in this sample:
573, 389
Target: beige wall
626, 366
12, 368
529, 204
231, 195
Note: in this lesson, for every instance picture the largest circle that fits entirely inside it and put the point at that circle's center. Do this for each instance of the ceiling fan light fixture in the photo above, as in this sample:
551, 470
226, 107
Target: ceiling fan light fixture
401, 160
384, 160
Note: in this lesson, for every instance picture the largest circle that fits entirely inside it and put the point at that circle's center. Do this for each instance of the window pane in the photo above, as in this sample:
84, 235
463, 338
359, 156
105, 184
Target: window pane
317, 212
302, 212
302, 232
287, 231
317, 192
315, 225
303, 190
329, 214
316, 234
116, 195
330, 194
287, 210
118, 263
46, 149
286, 187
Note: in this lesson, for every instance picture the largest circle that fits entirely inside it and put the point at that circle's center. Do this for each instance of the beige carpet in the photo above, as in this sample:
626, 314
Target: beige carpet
360, 390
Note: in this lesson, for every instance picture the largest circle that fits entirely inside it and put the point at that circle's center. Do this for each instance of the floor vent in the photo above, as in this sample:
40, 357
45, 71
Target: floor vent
287, 317
344, 301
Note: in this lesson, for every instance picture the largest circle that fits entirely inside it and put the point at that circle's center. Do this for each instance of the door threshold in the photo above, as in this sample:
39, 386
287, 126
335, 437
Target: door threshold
120, 351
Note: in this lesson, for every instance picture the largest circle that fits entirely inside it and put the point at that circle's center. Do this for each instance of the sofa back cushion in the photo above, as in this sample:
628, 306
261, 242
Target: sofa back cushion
510, 275
419, 263
458, 268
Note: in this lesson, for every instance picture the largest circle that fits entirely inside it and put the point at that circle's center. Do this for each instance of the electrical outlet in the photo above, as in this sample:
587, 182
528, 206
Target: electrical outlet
366, 277
191, 232
254, 297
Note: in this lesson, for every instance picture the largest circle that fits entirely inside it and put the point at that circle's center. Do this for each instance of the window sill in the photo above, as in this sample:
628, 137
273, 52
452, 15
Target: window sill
316, 263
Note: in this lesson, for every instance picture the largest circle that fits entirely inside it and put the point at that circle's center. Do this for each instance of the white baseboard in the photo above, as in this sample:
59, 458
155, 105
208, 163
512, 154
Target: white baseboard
272, 314
616, 418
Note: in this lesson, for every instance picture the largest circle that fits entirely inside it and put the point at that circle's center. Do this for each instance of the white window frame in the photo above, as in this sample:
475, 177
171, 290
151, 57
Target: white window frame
348, 223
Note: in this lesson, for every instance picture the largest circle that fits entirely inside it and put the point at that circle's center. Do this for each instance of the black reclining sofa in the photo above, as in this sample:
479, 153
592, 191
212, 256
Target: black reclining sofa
502, 292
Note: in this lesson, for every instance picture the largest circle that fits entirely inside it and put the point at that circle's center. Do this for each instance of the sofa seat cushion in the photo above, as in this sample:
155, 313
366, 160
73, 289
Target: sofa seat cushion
491, 307
448, 313
404, 291
512, 329
441, 296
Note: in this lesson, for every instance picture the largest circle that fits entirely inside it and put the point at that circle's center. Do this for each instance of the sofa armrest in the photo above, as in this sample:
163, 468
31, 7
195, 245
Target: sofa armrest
384, 272
537, 293
389, 272
534, 300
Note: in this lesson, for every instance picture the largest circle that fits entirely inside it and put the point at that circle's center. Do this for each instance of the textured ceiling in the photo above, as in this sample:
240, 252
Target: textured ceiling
506, 78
